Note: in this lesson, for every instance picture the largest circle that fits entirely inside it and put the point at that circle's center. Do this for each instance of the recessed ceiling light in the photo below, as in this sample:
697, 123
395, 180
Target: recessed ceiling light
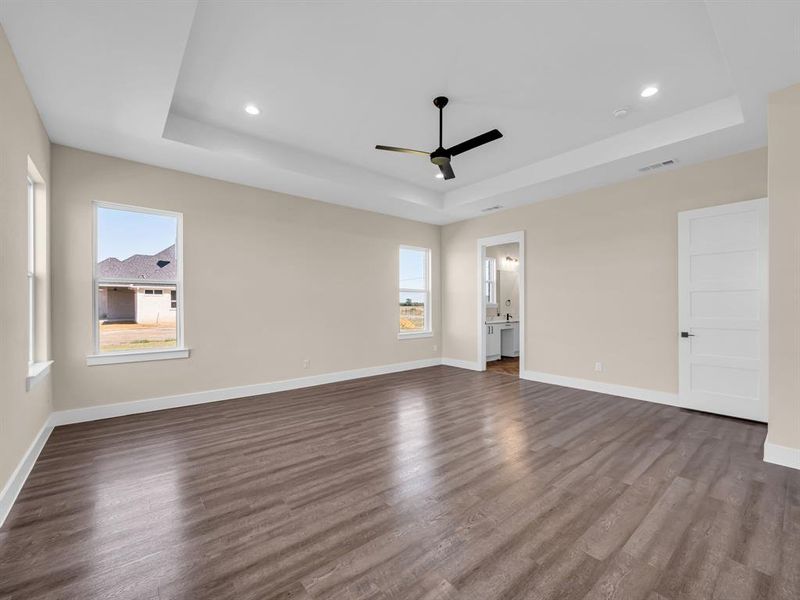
439, 176
650, 90
252, 109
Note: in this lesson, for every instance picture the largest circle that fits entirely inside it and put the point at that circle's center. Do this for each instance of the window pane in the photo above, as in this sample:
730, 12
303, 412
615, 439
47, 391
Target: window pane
490, 276
31, 319
136, 245
413, 264
137, 272
31, 274
412, 311
131, 319
31, 227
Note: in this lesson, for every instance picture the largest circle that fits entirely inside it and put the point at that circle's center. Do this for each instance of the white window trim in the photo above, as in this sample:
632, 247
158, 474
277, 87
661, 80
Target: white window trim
491, 282
130, 356
37, 372
410, 335
114, 358
428, 331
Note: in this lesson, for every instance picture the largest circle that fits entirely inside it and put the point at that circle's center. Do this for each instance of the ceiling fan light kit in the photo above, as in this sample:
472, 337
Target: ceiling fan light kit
441, 156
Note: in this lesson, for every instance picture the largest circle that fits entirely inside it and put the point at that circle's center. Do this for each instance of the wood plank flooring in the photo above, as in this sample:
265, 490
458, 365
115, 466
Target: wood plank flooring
432, 484
507, 364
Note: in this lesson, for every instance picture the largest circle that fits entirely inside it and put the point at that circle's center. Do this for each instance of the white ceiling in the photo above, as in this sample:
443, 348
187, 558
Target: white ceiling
165, 83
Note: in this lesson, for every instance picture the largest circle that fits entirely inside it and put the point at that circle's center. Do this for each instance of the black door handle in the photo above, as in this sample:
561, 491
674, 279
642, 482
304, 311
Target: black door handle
686, 334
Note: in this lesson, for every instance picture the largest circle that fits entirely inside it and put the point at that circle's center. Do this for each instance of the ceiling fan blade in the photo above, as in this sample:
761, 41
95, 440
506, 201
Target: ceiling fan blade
406, 150
479, 140
447, 171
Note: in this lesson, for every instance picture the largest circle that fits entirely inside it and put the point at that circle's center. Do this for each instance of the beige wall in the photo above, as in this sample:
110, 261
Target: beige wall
313, 281
601, 272
22, 413
784, 249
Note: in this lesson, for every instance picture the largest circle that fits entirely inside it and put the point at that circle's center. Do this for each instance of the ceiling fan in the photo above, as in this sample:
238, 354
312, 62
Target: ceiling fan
441, 156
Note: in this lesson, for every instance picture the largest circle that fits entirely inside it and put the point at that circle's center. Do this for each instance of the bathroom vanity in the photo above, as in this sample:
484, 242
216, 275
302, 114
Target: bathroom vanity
502, 339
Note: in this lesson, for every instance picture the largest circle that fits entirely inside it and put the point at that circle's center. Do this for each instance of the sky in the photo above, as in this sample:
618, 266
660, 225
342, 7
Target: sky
412, 268
122, 233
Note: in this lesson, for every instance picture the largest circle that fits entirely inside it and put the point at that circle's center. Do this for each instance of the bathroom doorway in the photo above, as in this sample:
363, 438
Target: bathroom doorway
501, 322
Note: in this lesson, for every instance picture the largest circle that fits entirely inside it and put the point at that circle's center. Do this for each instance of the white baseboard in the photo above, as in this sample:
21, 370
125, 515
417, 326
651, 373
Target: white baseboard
462, 364
107, 411
781, 455
14, 484
612, 389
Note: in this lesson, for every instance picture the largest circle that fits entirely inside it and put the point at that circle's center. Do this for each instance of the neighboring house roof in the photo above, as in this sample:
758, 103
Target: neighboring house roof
161, 266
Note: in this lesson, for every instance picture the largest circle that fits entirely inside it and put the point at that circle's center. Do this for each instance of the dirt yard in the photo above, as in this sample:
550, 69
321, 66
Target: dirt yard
121, 337
412, 317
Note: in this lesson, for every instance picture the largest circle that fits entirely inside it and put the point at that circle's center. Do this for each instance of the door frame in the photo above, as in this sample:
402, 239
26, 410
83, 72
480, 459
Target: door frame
496, 240
762, 206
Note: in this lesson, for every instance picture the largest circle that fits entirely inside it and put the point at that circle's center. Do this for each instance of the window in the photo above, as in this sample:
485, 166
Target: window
415, 286
490, 278
31, 273
37, 301
137, 262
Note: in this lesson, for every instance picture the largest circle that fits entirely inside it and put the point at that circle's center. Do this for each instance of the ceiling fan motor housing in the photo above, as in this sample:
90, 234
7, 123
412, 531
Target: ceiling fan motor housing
440, 156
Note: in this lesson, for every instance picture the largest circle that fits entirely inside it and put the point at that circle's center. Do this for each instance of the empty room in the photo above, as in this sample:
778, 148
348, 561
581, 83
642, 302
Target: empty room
389, 300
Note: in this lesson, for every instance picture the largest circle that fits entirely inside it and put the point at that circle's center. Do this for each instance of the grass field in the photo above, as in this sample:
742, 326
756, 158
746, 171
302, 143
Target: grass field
124, 337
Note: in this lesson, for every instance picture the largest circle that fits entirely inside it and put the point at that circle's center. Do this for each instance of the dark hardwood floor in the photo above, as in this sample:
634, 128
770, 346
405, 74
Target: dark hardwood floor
508, 365
432, 484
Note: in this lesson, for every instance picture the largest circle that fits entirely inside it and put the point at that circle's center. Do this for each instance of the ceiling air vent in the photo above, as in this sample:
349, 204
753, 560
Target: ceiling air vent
659, 165
491, 208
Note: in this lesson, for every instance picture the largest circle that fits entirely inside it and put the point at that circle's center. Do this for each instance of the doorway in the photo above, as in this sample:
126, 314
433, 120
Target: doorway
501, 303
723, 268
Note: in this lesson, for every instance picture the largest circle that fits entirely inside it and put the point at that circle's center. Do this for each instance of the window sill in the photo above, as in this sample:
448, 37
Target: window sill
113, 358
411, 336
37, 372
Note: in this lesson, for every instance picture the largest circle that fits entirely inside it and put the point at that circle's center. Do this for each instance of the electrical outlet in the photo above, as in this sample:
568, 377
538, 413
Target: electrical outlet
435, 347
598, 367
306, 363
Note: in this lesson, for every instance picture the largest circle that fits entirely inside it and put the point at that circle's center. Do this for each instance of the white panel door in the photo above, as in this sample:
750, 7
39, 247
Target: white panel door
722, 287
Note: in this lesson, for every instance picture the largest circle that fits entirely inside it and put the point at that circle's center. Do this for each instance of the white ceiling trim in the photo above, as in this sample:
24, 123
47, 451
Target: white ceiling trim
677, 128
289, 160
